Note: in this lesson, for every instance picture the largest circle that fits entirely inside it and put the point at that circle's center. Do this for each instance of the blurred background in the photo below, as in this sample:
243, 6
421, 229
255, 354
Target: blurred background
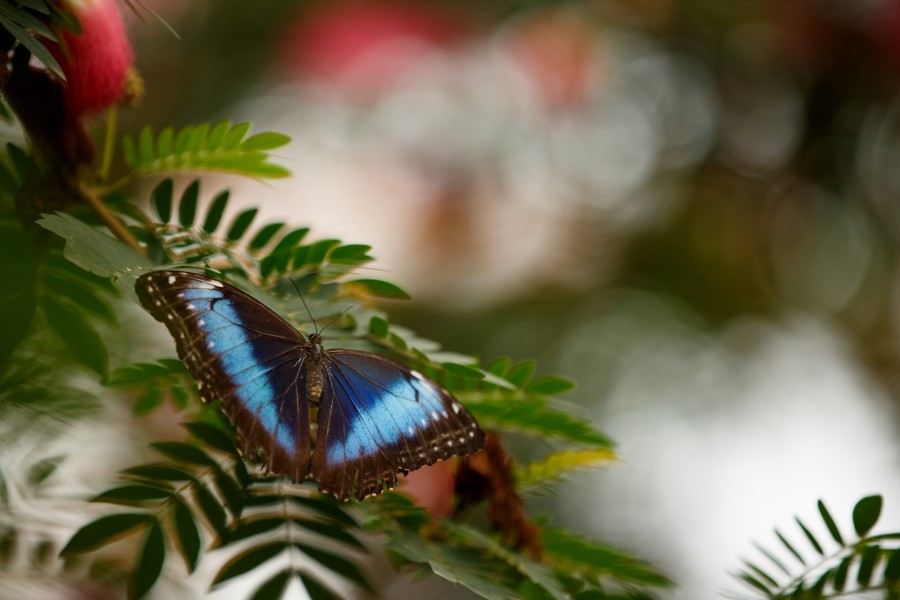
689, 207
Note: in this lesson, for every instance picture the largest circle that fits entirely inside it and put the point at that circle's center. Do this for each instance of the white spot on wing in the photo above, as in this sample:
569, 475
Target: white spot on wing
434, 415
171, 279
218, 284
456, 408
471, 434
423, 422
190, 307
410, 430
210, 345
201, 323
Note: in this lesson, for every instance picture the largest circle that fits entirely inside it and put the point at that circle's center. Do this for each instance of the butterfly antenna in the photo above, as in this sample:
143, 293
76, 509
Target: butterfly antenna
311, 318
331, 322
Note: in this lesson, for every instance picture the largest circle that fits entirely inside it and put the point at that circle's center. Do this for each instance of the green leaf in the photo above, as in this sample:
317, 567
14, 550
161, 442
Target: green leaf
870, 558
336, 563
78, 290
326, 507
809, 536
773, 559
84, 344
90, 249
865, 514
829, 522
314, 253
215, 212
241, 223
315, 588
149, 564
248, 560
164, 141
18, 300
149, 400
892, 570
212, 436
217, 134
13, 25
277, 261
754, 582
103, 531
840, 574
549, 385
231, 492
187, 536
378, 327
234, 135
265, 235
463, 370
468, 567
534, 415
790, 548
251, 527
41, 470
212, 510
558, 464
768, 579
266, 141
521, 373
159, 472
129, 151
203, 148
185, 453
132, 494
381, 289
539, 574
273, 588
187, 208
145, 146
330, 532
350, 253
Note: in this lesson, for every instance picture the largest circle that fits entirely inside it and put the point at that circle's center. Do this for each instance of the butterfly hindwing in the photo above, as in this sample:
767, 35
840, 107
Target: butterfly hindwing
379, 419
376, 418
243, 354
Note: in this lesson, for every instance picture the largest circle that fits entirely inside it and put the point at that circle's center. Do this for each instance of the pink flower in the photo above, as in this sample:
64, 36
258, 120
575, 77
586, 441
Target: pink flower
96, 62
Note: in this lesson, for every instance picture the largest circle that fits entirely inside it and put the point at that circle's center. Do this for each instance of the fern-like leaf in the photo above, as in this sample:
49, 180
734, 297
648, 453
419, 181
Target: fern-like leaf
559, 464
868, 563
222, 147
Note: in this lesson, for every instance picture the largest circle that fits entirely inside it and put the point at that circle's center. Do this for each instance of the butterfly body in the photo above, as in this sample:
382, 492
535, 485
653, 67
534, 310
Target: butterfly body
375, 418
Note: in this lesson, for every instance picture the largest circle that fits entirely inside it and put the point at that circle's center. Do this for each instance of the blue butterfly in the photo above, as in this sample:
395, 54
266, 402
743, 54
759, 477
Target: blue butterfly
375, 417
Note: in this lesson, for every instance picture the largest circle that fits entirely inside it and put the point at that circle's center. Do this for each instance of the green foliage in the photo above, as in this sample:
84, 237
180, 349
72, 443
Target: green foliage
200, 494
222, 147
156, 381
869, 563
26, 20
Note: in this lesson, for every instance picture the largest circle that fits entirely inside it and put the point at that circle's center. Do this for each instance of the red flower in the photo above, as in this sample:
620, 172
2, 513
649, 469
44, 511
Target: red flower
96, 62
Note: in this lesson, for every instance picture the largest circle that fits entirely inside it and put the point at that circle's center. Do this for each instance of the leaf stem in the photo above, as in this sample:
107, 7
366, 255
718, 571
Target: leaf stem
109, 142
118, 228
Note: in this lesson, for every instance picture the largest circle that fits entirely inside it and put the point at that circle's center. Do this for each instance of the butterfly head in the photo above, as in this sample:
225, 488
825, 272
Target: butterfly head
315, 344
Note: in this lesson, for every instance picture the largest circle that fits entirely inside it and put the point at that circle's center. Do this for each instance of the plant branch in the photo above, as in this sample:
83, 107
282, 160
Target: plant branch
89, 195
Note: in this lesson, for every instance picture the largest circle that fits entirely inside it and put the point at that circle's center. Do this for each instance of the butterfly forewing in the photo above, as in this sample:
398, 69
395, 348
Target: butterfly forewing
378, 419
243, 354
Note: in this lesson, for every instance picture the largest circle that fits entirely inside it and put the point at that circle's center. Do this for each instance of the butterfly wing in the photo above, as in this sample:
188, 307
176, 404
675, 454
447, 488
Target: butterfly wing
378, 419
243, 354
